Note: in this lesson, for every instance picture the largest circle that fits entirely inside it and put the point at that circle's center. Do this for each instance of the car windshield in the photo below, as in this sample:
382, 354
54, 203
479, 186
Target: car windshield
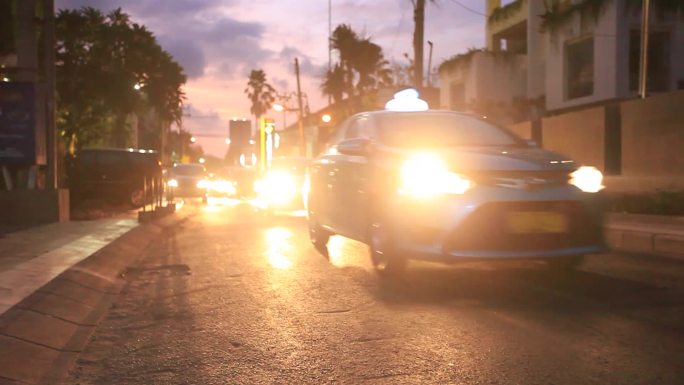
188, 170
442, 130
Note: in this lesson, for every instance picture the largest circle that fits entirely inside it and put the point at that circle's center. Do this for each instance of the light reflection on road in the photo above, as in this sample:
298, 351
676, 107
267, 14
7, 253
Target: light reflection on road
279, 243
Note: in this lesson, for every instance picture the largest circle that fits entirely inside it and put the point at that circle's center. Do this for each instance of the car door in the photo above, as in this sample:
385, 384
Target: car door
323, 183
352, 185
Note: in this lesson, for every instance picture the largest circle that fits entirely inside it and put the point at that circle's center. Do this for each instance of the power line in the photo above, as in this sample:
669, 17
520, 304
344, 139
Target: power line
468, 8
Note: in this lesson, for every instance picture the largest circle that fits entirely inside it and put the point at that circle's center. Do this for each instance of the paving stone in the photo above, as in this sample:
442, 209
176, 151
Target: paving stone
74, 291
59, 307
24, 361
41, 329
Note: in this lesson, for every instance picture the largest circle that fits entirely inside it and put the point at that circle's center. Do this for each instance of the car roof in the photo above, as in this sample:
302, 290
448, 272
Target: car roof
429, 112
118, 150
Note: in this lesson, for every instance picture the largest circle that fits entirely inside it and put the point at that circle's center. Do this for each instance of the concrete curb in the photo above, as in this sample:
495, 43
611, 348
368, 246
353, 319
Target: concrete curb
652, 234
42, 336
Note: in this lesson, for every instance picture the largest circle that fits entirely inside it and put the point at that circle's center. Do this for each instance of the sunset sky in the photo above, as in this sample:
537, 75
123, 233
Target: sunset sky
218, 42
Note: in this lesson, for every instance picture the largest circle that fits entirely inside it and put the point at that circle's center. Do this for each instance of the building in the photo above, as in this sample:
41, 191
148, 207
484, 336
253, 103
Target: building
556, 55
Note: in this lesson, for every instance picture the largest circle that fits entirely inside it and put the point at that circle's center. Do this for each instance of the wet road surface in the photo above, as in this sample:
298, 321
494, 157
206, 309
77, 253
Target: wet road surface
234, 297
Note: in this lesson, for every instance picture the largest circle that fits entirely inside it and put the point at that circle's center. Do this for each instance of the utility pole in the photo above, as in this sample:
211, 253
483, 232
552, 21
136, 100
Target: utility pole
643, 60
418, 39
429, 69
50, 85
300, 124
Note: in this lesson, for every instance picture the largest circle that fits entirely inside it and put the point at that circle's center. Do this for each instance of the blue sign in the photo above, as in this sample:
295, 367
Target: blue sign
22, 141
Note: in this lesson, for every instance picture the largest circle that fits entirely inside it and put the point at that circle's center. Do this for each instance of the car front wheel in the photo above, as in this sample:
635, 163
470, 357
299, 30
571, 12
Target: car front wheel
319, 236
387, 261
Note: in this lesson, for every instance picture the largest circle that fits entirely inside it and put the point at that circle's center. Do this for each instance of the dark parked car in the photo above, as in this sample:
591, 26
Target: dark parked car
114, 174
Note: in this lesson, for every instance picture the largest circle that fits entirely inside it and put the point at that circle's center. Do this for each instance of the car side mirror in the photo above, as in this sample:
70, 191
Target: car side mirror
355, 147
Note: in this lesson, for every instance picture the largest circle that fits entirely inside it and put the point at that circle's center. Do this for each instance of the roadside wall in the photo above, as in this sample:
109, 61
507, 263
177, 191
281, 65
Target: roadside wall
579, 135
523, 129
653, 135
639, 143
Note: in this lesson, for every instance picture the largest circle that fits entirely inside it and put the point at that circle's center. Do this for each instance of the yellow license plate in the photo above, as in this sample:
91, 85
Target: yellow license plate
530, 222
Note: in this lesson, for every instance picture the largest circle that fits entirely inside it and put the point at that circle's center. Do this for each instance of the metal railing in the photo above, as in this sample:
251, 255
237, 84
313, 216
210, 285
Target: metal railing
153, 193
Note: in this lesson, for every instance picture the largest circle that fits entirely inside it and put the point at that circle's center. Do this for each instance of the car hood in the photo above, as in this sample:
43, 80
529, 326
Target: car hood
503, 159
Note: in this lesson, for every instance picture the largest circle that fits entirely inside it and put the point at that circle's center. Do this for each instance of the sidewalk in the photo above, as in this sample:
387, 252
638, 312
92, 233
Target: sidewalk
652, 234
31, 258
56, 284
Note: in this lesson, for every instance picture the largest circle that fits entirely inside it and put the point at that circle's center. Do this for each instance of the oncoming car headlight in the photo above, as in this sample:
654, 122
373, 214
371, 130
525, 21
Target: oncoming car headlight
203, 184
173, 183
587, 179
426, 175
277, 187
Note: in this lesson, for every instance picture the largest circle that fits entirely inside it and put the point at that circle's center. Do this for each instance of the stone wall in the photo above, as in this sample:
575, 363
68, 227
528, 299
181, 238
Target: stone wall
653, 135
579, 135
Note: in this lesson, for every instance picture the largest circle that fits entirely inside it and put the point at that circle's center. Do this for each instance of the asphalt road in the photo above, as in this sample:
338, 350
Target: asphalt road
232, 297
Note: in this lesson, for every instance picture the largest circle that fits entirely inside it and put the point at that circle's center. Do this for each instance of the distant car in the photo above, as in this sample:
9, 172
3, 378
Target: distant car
222, 184
114, 174
188, 180
447, 186
243, 178
282, 186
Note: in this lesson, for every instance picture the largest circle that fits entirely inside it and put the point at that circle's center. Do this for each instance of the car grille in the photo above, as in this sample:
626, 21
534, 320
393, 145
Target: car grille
523, 180
487, 228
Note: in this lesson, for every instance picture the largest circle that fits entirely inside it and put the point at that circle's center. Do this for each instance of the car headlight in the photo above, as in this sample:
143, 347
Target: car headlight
426, 175
587, 179
173, 183
203, 184
277, 187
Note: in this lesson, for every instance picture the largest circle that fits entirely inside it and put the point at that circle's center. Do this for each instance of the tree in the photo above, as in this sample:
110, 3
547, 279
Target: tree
334, 83
361, 67
371, 66
107, 69
260, 93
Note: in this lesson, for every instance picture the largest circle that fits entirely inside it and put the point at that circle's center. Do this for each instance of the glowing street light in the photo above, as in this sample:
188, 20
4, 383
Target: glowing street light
278, 107
193, 139
326, 118
137, 86
202, 160
227, 140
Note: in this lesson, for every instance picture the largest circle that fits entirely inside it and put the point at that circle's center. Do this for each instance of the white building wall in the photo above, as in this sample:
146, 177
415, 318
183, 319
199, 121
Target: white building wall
536, 51
605, 59
672, 23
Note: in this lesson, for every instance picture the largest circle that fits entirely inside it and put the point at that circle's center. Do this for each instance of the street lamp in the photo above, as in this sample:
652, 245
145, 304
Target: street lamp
326, 118
193, 139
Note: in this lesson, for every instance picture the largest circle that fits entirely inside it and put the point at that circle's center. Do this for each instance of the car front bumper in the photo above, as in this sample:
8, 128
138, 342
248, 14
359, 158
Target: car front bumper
476, 226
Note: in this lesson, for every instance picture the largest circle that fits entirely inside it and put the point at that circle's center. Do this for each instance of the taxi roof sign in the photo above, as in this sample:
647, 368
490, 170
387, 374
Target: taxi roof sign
407, 100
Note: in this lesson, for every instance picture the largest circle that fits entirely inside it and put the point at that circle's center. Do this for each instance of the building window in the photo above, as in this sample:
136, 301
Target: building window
658, 77
579, 64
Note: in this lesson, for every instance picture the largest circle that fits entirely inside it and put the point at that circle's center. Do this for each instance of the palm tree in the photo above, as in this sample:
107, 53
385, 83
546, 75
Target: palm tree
345, 40
260, 93
334, 83
371, 66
